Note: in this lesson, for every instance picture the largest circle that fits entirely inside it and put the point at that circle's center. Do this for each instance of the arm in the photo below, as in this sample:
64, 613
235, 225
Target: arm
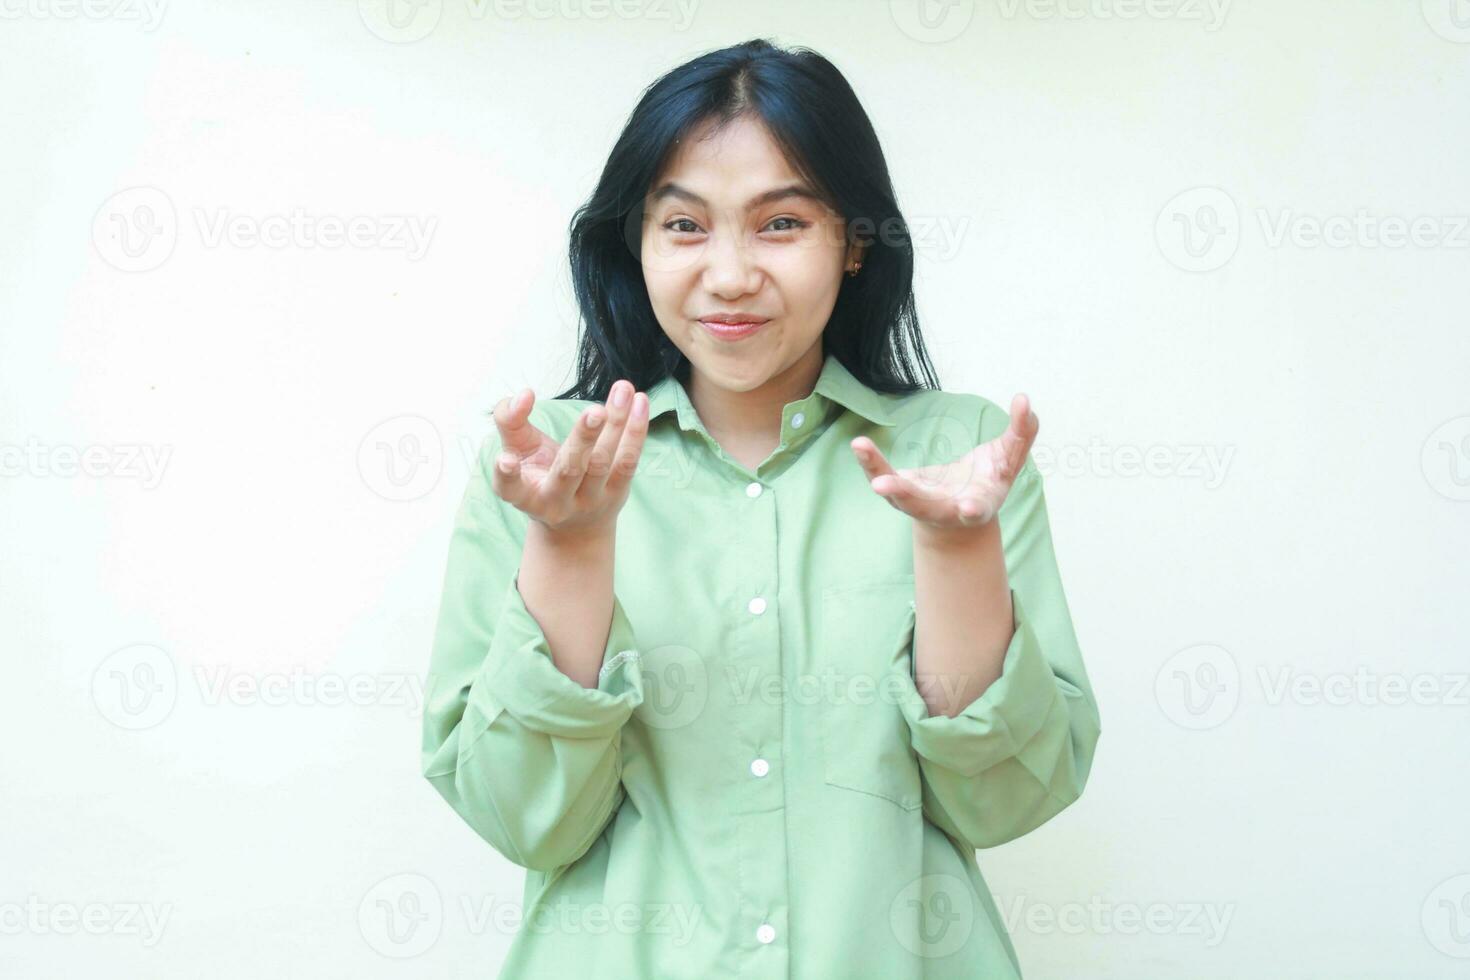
1013, 742
527, 756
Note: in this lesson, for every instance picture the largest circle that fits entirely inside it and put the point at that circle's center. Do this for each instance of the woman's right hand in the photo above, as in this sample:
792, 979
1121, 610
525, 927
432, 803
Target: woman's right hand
578, 486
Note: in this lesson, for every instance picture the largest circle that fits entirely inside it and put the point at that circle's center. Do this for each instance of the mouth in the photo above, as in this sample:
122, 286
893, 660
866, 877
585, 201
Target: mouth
731, 328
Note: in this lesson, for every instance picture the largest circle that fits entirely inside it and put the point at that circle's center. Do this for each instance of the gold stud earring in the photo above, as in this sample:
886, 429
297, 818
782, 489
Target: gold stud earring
852, 270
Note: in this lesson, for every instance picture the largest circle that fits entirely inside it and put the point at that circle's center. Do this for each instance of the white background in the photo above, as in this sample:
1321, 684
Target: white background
231, 467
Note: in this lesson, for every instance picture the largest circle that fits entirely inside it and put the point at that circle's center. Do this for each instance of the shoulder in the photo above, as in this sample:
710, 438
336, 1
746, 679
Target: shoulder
986, 418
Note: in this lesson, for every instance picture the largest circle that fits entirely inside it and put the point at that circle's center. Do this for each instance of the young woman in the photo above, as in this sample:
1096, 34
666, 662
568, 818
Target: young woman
752, 637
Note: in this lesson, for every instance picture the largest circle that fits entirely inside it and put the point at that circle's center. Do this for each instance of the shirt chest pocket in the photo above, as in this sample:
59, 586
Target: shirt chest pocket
862, 643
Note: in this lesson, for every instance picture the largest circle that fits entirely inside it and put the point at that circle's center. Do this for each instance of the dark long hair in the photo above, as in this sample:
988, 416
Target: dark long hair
815, 117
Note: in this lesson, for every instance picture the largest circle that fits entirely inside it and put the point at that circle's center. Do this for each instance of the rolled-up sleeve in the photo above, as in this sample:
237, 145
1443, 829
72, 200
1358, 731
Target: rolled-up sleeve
528, 757
1021, 752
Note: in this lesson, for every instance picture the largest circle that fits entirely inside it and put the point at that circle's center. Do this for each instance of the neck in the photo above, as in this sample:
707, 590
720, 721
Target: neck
755, 414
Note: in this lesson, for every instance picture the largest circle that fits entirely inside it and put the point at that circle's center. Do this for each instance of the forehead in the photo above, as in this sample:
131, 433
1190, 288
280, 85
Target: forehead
724, 166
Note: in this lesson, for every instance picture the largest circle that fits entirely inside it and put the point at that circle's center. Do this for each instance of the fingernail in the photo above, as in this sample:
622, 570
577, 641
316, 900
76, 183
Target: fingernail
620, 394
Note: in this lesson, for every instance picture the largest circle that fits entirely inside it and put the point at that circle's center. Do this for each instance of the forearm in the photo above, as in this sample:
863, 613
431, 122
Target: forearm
566, 582
963, 617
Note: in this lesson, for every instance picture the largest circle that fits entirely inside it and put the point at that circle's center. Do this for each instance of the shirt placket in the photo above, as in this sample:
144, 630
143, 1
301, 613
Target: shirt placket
759, 799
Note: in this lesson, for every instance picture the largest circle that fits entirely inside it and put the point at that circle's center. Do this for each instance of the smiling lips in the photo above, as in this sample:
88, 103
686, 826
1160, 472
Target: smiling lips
732, 326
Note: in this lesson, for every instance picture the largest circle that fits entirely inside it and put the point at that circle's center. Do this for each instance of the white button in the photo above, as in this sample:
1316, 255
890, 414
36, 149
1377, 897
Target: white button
760, 767
752, 489
766, 933
797, 419
756, 605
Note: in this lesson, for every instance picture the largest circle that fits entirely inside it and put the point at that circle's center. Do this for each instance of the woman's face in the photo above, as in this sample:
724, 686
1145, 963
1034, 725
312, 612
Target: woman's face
729, 228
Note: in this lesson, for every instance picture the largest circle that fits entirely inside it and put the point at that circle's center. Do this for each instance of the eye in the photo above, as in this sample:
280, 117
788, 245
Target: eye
670, 226
796, 223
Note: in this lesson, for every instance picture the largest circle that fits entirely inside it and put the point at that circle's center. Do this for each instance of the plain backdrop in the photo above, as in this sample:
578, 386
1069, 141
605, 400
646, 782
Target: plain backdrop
264, 266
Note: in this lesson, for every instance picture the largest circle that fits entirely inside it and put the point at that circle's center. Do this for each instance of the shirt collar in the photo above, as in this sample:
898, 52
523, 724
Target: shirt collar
835, 383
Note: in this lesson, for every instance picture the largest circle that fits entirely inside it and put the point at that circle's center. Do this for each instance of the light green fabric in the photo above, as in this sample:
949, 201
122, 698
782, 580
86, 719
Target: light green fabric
756, 788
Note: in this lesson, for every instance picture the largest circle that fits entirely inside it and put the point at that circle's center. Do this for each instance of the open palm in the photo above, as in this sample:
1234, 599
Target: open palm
582, 482
963, 492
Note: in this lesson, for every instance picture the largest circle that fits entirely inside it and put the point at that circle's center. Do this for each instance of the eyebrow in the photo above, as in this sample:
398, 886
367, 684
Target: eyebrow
672, 189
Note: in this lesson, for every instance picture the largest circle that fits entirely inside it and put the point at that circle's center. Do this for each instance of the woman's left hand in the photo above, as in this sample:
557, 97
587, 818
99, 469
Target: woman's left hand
963, 493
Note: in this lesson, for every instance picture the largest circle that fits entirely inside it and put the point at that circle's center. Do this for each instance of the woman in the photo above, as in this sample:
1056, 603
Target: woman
830, 656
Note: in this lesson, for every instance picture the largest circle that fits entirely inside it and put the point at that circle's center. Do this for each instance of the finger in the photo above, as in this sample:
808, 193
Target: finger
512, 417
870, 457
1019, 435
630, 447
599, 466
508, 481
910, 498
570, 464
971, 510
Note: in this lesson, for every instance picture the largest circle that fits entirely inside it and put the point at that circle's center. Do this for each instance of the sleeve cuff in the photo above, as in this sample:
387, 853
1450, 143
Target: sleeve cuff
519, 676
1000, 722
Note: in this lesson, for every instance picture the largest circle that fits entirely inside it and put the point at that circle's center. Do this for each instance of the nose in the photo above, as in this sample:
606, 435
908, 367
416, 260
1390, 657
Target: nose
730, 267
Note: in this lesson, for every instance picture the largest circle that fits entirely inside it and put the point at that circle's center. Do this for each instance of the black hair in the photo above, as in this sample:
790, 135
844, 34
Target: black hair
814, 116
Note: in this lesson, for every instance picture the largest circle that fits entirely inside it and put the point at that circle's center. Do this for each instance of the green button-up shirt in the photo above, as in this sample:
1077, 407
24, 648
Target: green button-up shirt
755, 788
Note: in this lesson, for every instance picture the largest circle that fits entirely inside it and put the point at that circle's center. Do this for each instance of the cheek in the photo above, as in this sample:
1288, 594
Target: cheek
663, 288
807, 275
